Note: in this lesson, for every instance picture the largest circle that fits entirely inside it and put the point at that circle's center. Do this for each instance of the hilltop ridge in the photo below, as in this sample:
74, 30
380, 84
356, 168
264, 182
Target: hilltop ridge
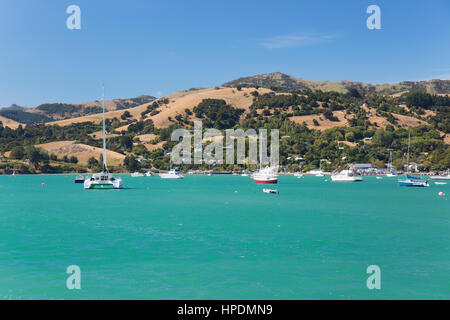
287, 82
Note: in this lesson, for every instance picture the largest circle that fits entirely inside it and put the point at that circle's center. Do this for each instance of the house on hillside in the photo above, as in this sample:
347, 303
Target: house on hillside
413, 167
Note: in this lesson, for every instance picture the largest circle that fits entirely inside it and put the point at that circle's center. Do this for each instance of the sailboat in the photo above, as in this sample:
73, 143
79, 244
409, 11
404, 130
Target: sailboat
319, 172
391, 172
267, 174
411, 181
104, 179
298, 175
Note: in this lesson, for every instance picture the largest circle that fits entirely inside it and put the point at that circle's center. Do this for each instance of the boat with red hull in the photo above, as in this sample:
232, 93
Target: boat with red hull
267, 175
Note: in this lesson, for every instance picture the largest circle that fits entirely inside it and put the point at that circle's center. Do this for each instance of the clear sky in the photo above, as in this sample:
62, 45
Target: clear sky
158, 47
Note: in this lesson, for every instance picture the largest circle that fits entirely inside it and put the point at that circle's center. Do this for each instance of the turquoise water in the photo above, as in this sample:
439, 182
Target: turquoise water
221, 237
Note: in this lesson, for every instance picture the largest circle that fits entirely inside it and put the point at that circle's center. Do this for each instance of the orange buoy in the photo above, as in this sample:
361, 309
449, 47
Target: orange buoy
43, 184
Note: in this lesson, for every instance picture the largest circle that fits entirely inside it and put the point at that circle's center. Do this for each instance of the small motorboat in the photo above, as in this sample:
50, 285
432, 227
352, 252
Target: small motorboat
148, 174
441, 177
346, 176
79, 179
172, 174
440, 183
270, 191
391, 174
137, 174
298, 175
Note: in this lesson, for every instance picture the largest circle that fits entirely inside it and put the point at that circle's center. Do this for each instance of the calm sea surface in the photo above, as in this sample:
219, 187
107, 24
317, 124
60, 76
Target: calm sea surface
221, 237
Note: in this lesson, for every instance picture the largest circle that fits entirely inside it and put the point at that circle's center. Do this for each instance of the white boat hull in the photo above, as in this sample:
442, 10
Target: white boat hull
338, 178
170, 176
447, 177
116, 184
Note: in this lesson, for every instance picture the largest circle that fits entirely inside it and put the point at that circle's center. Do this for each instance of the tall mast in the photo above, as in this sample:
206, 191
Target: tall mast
409, 143
260, 150
104, 134
390, 159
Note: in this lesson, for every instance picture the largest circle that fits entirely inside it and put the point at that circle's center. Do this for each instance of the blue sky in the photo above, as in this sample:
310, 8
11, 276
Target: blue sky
158, 47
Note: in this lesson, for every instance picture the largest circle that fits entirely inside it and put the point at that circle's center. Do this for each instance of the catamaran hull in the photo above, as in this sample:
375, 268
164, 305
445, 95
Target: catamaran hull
104, 186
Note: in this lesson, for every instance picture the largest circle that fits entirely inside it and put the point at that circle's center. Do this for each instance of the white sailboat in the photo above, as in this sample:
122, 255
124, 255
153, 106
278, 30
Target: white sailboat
411, 181
391, 172
104, 179
319, 172
267, 174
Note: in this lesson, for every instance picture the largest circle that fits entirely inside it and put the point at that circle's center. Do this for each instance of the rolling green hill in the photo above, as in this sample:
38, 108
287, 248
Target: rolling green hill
59, 111
286, 82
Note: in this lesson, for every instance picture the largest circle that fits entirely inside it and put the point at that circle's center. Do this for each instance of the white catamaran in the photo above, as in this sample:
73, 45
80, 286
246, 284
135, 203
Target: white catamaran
104, 179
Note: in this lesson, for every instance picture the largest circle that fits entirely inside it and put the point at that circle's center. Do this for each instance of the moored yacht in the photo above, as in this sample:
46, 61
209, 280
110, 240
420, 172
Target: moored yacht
347, 175
172, 174
411, 181
441, 177
266, 175
79, 179
104, 179
137, 174
391, 172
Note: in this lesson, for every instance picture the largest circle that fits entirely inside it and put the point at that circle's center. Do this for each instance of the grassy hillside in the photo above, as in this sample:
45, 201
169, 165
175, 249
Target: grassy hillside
57, 111
286, 82
349, 123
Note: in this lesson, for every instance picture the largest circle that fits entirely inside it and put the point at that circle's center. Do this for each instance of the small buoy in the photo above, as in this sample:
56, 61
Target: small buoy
43, 184
441, 193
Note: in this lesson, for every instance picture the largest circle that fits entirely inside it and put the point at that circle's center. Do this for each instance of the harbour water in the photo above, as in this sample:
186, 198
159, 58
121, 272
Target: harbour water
221, 237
